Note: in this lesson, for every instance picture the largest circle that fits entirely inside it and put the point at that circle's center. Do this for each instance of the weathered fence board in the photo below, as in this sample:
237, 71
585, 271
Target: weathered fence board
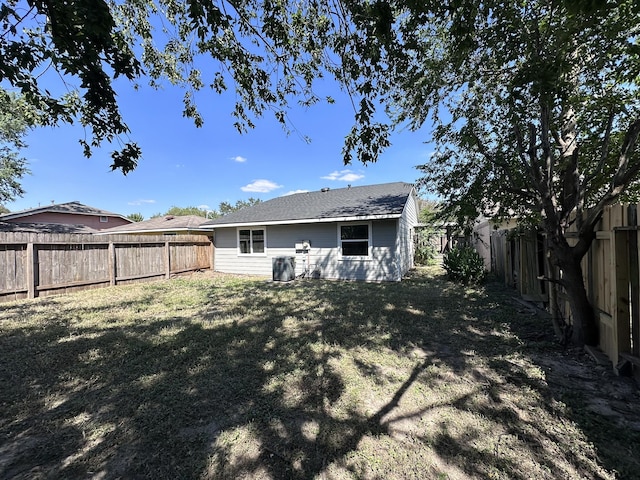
43, 264
12, 258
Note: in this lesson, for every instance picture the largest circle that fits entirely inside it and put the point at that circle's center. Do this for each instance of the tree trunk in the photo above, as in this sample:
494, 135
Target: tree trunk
553, 298
585, 328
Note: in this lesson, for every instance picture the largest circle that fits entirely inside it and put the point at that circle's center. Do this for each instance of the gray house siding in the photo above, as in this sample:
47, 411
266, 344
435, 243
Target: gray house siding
405, 243
323, 257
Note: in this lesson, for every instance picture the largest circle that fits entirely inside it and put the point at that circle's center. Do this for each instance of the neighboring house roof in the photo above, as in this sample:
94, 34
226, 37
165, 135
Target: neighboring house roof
168, 223
75, 208
26, 227
344, 204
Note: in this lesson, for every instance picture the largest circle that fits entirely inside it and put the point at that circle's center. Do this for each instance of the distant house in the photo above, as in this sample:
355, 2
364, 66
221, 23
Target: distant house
356, 233
167, 225
45, 228
71, 213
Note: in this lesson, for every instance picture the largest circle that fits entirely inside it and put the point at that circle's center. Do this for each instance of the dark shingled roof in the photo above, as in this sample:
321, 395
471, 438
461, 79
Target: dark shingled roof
70, 207
386, 199
165, 223
29, 227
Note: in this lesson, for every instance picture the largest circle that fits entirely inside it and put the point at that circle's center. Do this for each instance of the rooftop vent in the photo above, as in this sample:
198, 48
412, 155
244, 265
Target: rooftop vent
325, 189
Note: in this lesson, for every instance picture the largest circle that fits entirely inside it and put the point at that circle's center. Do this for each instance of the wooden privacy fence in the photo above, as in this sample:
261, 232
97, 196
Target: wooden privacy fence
35, 264
611, 275
519, 259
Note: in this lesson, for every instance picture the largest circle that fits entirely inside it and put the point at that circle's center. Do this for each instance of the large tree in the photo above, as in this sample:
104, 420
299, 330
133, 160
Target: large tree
535, 108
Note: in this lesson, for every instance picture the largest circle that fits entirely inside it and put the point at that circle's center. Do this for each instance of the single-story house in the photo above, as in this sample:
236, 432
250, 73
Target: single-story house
165, 224
354, 233
71, 213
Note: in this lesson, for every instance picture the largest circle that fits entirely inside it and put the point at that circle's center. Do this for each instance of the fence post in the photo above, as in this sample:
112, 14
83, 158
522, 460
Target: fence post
212, 258
32, 266
167, 260
634, 274
112, 264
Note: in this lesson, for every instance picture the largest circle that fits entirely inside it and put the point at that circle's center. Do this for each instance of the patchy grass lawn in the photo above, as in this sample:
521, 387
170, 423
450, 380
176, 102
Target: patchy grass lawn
239, 378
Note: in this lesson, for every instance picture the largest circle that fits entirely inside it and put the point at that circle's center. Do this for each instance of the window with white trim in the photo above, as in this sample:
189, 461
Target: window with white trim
355, 239
104, 219
251, 241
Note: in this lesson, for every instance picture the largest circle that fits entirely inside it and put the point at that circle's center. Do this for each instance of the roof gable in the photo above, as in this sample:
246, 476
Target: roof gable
383, 200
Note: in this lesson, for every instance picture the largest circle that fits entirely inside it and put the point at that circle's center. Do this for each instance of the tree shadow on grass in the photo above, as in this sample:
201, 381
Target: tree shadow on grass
265, 380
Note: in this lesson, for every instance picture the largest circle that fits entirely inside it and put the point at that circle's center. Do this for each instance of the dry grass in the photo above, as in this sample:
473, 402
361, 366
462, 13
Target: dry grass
232, 378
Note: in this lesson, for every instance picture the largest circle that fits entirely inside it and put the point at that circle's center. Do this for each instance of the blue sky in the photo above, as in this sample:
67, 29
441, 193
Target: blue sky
187, 166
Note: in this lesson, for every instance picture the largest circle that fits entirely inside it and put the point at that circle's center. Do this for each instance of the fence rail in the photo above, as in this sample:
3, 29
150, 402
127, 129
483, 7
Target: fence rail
35, 264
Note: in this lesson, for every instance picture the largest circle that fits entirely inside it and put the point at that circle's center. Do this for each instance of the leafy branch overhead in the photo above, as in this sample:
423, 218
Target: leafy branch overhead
269, 52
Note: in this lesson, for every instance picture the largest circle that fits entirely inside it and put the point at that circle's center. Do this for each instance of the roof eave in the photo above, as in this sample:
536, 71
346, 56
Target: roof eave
154, 230
362, 218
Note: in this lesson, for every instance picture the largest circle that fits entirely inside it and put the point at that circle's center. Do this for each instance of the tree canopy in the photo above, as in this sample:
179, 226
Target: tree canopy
135, 217
180, 211
16, 118
224, 209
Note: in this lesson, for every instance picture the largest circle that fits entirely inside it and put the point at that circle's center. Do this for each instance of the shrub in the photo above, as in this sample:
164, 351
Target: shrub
425, 254
425, 251
464, 265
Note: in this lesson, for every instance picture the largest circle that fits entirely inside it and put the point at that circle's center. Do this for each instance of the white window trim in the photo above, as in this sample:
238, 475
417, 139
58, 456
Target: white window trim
369, 241
104, 219
251, 229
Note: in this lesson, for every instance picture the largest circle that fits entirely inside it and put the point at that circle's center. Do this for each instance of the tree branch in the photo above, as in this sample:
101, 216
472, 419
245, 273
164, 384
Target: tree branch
18, 21
522, 193
532, 171
622, 177
624, 174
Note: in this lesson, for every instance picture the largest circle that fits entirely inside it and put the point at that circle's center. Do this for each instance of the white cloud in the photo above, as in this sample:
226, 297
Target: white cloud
260, 186
294, 192
204, 207
140, 202
351, 177
239, 159
343, 176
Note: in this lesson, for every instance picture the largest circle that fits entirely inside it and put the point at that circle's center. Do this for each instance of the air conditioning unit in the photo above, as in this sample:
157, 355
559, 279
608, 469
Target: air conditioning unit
284, 269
